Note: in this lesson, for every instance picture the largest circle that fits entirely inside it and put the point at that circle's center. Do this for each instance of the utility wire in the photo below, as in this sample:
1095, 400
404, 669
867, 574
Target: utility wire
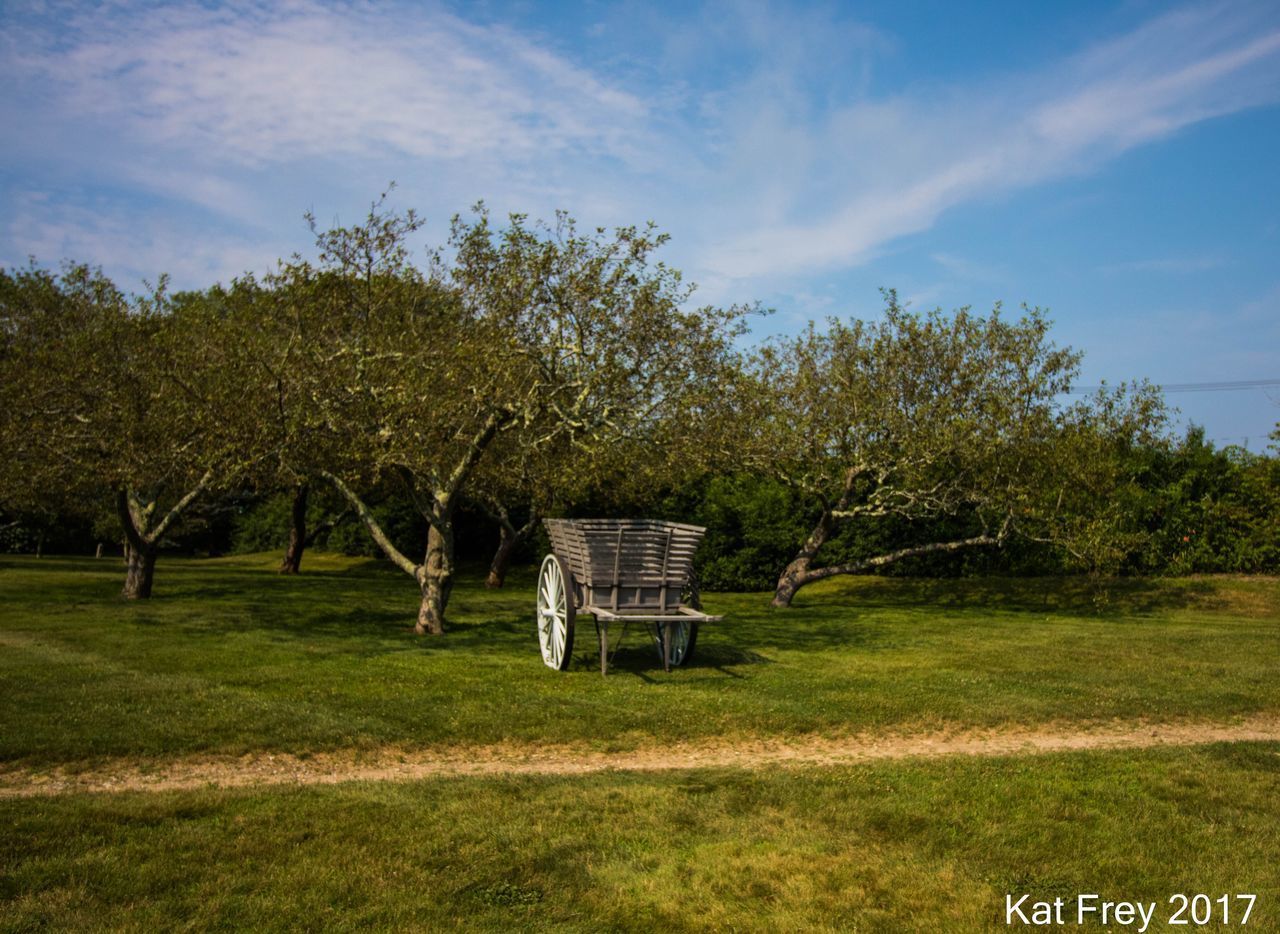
1220, 386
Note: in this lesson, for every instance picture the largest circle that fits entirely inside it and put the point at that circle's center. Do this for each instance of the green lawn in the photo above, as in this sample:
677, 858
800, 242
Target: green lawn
888, 847
229, 657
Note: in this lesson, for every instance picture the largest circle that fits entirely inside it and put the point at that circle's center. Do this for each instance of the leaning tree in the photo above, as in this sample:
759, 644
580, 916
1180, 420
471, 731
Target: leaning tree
533, 339
924, 417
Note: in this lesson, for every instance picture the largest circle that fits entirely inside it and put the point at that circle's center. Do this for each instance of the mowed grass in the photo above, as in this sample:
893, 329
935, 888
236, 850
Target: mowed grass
906, 846
230, 657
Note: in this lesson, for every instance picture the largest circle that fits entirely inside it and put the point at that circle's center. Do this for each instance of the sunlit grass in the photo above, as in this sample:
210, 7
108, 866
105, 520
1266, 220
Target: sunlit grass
907, 846
229, 656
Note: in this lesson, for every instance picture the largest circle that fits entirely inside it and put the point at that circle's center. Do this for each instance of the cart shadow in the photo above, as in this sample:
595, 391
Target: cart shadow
643, 661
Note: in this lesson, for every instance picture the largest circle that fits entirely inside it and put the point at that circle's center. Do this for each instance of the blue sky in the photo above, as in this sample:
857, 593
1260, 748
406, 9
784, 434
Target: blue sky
1113, 162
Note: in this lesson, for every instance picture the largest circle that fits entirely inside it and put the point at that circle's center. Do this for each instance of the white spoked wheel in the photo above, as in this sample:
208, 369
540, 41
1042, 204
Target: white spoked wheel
684, 636
556, 613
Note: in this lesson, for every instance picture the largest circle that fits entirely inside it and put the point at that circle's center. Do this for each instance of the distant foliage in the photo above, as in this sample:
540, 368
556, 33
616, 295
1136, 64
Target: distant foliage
752, 526
1205, 510
1211, 510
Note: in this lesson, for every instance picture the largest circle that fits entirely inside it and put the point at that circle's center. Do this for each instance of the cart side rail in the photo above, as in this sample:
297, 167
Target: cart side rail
626, 564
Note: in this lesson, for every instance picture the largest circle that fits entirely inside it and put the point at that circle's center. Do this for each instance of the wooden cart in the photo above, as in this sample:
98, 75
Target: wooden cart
619, 570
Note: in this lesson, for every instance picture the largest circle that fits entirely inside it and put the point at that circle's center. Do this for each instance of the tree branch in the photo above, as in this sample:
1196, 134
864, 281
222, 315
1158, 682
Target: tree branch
131, 533
179, 507
857, 567
473, 454
391, 551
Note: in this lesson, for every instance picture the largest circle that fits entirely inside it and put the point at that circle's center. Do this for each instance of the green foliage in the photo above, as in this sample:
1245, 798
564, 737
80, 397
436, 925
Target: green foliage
752, 523
1211, 510
396, 515
264, 526
934, 433
536, 369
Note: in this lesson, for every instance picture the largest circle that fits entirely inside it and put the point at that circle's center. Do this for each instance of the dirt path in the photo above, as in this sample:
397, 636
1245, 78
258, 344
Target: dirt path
392, 764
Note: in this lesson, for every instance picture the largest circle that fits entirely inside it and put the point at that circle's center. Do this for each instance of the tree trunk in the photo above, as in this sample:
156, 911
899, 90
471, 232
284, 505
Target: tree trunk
140, 568
142, 535
796, 574
292, 562
508, 538
435, 577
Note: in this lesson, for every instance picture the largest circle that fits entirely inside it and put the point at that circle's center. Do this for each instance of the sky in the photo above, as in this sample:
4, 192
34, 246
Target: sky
1114, 163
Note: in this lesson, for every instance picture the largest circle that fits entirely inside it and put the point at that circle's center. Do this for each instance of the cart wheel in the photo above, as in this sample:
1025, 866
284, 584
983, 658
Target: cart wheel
684, 636
556, 613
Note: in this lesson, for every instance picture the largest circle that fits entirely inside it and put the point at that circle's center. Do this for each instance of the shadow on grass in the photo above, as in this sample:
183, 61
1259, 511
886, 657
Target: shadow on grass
1073, 596
639, 655
367, 608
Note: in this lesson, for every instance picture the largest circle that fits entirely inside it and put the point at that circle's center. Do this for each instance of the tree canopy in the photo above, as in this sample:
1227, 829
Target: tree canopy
134, 399
538, 342
521, 369
916, 416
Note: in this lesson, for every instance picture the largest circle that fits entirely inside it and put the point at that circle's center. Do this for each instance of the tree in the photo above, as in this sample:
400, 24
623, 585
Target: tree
303, 532
534, 338
270, 319
914, 416
135, 399
517, 487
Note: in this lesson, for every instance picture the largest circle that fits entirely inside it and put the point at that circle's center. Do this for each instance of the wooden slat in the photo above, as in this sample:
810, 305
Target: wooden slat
615, 556
683, 612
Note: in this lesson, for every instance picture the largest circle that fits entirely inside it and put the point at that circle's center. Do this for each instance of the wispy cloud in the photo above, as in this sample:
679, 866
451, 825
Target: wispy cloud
908, 159
779, 160
102, 233
266, 83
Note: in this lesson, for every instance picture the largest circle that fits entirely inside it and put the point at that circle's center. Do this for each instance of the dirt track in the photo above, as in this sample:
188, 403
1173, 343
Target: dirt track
391, 764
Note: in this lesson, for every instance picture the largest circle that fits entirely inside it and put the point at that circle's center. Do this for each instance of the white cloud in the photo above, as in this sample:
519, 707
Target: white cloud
778, 164
133, 250
259, 83
890, 168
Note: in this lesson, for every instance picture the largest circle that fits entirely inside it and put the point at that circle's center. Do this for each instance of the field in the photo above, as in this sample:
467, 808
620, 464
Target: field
531, 799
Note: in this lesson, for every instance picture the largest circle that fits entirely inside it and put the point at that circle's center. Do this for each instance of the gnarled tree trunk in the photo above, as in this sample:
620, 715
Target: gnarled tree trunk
140, 569
797, 572
142, 536
435, 576
292, 562
800, 571
497, 575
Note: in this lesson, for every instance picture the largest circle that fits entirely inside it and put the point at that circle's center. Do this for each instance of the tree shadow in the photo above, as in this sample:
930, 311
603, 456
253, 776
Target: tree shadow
1070, 596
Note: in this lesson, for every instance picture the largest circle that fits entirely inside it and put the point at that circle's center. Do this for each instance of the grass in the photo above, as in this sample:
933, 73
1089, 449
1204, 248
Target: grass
888, 847
230, 657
